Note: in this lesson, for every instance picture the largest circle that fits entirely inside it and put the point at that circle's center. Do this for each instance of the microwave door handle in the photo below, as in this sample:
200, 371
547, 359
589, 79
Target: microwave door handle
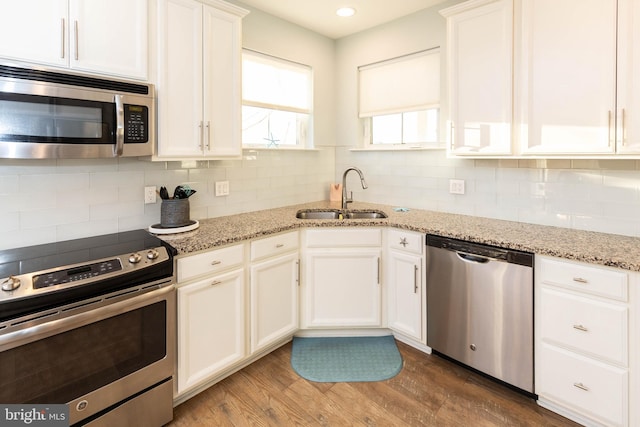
117, 151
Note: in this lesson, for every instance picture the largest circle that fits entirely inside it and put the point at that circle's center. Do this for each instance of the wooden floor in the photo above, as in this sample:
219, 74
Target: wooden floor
429, 391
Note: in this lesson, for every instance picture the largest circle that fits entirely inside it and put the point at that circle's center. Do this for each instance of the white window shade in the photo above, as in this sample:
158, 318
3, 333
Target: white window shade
273, 83
408, 83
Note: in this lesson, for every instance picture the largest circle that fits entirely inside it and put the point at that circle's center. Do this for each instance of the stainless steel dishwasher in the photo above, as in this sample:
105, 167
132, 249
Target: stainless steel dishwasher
480, 308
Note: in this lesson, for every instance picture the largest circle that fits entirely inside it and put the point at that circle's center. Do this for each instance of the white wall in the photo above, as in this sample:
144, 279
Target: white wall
582, 194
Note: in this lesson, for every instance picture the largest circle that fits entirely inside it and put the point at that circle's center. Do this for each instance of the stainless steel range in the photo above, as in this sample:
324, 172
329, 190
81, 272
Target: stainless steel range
90, 323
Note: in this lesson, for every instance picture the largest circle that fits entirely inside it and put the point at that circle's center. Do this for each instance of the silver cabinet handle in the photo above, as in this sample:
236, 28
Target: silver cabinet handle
378, 270
216, 262
581, 386
580, 280
216, 282
75, 36
298, 274
201, 127
609, 115
279, 245
415, 279
62, 37
623, 127
580, 328
208, 136
119, 147
451, 144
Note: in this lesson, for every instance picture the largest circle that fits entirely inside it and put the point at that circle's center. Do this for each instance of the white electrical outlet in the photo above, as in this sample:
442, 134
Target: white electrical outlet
222, 188
456, 186
149, 195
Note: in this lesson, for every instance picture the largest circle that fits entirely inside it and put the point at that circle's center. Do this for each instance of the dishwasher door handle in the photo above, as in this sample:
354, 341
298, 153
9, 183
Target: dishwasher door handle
478, 259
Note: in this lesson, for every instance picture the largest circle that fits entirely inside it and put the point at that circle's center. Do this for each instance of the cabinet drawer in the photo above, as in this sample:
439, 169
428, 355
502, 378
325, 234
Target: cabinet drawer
595, 327
349, 237
274, 245
210, 262
406, 241
591, 387
584, 278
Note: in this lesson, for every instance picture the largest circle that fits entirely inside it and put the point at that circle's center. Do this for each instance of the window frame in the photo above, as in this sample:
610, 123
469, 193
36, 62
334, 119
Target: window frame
366, 118
304, 139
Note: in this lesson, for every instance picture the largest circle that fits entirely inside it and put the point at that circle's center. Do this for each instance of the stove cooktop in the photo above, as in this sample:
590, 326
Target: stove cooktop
43, 276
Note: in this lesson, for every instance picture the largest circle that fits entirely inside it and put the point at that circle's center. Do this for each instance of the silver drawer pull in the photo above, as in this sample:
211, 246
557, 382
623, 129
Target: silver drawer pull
581, 386
215, 282
279, 245
580, 280
214, 262
580, 328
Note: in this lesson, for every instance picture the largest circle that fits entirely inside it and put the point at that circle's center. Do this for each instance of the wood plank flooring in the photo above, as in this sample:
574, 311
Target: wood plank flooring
429, 391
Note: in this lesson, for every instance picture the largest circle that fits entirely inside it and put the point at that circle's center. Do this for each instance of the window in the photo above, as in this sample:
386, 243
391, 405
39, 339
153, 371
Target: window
399, 100
276, 101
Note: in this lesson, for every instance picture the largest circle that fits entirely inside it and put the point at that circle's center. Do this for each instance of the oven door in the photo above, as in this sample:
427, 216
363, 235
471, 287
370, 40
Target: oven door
94, 358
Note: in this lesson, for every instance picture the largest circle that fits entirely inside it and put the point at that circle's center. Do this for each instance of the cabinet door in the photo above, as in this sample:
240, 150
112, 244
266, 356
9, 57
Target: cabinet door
274, 300
109, 36
211, 328
480, 75
180, 79
222, 83
567, 77
342, 287
35, 31
628, 115
405, 294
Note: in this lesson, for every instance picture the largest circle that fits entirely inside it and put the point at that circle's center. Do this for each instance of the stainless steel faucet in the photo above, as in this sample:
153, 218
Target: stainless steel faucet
349, 199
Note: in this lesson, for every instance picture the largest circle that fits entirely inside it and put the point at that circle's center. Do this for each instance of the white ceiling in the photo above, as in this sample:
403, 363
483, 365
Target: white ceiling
320, 15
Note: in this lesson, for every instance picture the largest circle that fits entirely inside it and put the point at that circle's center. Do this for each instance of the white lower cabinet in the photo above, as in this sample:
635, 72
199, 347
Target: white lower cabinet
222, 321
342, 271
274, 289
211, 327
405, 284
584, 362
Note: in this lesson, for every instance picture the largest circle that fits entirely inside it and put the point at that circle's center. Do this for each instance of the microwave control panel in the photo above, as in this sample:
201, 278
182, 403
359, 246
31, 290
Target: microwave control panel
136, 123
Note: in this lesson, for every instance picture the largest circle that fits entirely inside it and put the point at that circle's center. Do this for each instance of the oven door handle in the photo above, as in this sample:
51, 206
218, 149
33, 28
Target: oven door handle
55, 324
119, 147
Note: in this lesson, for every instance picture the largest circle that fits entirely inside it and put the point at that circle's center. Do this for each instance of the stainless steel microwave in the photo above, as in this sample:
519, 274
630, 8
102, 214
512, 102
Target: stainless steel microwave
47, 114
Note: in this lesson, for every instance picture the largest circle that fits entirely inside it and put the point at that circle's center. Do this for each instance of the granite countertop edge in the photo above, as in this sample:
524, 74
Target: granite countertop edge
587, 246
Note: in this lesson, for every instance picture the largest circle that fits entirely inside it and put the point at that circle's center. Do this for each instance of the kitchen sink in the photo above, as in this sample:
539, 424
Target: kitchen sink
365, 215
335, 214
304, 214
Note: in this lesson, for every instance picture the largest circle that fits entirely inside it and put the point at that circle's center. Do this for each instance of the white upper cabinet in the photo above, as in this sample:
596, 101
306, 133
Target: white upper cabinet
628, 108
480, 37
544, 78
567, 77
98, 36
199, 79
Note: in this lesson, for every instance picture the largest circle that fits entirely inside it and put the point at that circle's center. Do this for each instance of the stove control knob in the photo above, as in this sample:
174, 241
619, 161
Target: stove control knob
10, 283
135, 258
153, 254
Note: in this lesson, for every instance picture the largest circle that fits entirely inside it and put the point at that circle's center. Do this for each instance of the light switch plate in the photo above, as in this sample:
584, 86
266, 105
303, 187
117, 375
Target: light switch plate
456, 186
222, 188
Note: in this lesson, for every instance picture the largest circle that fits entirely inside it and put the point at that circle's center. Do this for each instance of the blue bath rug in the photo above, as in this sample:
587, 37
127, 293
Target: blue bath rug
346, 359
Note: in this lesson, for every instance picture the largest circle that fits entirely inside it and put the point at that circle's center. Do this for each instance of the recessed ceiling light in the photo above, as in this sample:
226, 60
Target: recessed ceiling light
346, 11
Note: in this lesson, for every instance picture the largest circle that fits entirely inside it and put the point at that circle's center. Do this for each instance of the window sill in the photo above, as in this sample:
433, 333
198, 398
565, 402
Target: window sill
278, 149
401, 148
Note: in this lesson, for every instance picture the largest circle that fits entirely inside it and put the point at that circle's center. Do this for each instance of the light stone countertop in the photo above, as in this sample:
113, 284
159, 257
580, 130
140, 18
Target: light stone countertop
587, 246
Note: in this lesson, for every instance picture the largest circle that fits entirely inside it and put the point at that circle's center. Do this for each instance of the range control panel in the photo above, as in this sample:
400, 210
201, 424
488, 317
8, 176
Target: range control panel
77, 273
